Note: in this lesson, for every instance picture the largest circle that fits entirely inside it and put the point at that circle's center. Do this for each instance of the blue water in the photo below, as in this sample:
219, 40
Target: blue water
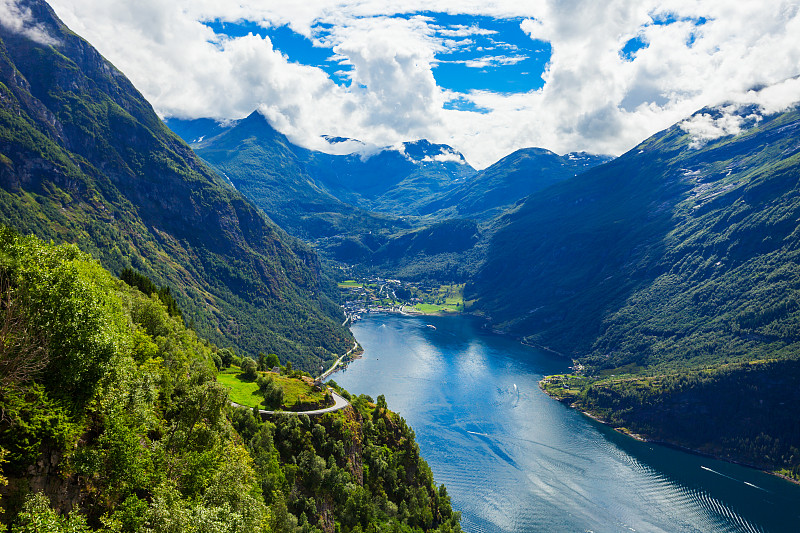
515, 460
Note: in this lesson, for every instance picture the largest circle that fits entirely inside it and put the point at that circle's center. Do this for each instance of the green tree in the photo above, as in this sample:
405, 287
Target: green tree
226, 355
38, 517
272, 361
249, 368
272, 391
381, 402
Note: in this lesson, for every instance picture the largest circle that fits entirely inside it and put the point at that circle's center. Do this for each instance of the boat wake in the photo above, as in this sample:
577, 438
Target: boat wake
733, 478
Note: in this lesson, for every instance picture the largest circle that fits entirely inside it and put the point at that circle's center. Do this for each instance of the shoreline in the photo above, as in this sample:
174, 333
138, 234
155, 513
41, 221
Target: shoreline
335, 366
667, 444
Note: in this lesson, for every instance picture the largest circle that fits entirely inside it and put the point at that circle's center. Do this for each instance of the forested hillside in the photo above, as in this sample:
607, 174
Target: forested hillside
677, 256
113, 421
84, 159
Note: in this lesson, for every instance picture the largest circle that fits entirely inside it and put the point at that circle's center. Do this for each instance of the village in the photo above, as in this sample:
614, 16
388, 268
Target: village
378, 295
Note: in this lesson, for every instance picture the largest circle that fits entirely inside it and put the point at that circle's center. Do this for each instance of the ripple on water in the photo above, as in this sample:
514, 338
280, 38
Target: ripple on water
515, 461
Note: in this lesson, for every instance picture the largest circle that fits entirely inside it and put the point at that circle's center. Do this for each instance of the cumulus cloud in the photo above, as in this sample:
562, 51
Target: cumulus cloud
18, 19
444, 157
704, 127
694, 53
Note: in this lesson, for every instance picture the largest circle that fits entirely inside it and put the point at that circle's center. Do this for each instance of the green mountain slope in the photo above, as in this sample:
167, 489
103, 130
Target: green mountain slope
667, 260
405, 180
84, 159
316, 196
400, 212
396, 181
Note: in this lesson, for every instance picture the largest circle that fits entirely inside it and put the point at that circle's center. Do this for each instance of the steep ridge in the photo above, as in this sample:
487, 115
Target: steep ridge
658, 230
670, 274
84, 159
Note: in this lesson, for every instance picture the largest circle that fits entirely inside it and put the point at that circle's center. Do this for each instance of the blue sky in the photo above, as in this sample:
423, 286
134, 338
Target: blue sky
478, 53
486, 78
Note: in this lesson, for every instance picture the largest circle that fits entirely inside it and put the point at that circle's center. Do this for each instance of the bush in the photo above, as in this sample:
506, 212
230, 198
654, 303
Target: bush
249, 368
272, 391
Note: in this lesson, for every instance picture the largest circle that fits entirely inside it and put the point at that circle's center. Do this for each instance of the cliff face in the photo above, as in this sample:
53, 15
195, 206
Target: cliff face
84, 159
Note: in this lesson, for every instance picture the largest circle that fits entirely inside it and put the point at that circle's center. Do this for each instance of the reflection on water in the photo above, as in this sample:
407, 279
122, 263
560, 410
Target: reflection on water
515, 460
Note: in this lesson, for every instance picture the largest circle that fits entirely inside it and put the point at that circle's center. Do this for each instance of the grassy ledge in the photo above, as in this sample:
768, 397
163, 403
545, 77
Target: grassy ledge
299, 393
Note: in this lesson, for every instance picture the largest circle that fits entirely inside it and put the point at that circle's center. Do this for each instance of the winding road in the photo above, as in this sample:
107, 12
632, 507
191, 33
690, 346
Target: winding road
338, 403
335, 365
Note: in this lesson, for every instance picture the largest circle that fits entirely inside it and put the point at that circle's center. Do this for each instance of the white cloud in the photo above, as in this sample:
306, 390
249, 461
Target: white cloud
464, 31
19, 19
593, 99
704, 127
747, 110
493, 61
444, 157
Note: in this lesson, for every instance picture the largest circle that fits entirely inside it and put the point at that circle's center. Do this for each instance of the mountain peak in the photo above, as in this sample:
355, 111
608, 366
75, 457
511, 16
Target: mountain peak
424, 151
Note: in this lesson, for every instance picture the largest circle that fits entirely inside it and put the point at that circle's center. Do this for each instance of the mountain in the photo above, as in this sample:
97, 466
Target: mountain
403, 180
498, 187
670, 275
274, 173
195, 131
84, 159
396, 181
316, 196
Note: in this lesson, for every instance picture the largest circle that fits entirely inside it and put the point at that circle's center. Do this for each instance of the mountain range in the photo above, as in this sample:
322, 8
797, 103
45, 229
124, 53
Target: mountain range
417, 210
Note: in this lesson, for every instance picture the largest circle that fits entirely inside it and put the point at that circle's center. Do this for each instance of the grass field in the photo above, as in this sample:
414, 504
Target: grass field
242, 392
430, 309
348, 284
448, 298
246, 392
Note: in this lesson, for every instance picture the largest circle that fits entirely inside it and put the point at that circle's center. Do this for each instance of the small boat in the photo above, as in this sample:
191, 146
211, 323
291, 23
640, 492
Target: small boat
430, 326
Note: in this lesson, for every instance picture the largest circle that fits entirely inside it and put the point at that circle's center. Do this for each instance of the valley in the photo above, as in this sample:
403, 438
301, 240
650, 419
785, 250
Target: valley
172, 287
620, 279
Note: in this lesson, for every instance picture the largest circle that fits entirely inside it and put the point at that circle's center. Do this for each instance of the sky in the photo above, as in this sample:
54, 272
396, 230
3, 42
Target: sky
486, 77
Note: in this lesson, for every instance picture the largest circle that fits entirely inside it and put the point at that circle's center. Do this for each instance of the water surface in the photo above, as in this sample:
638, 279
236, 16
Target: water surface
513, 460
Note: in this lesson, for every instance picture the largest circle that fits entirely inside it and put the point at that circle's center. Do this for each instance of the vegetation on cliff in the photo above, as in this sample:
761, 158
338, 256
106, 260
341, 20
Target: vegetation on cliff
113, 420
